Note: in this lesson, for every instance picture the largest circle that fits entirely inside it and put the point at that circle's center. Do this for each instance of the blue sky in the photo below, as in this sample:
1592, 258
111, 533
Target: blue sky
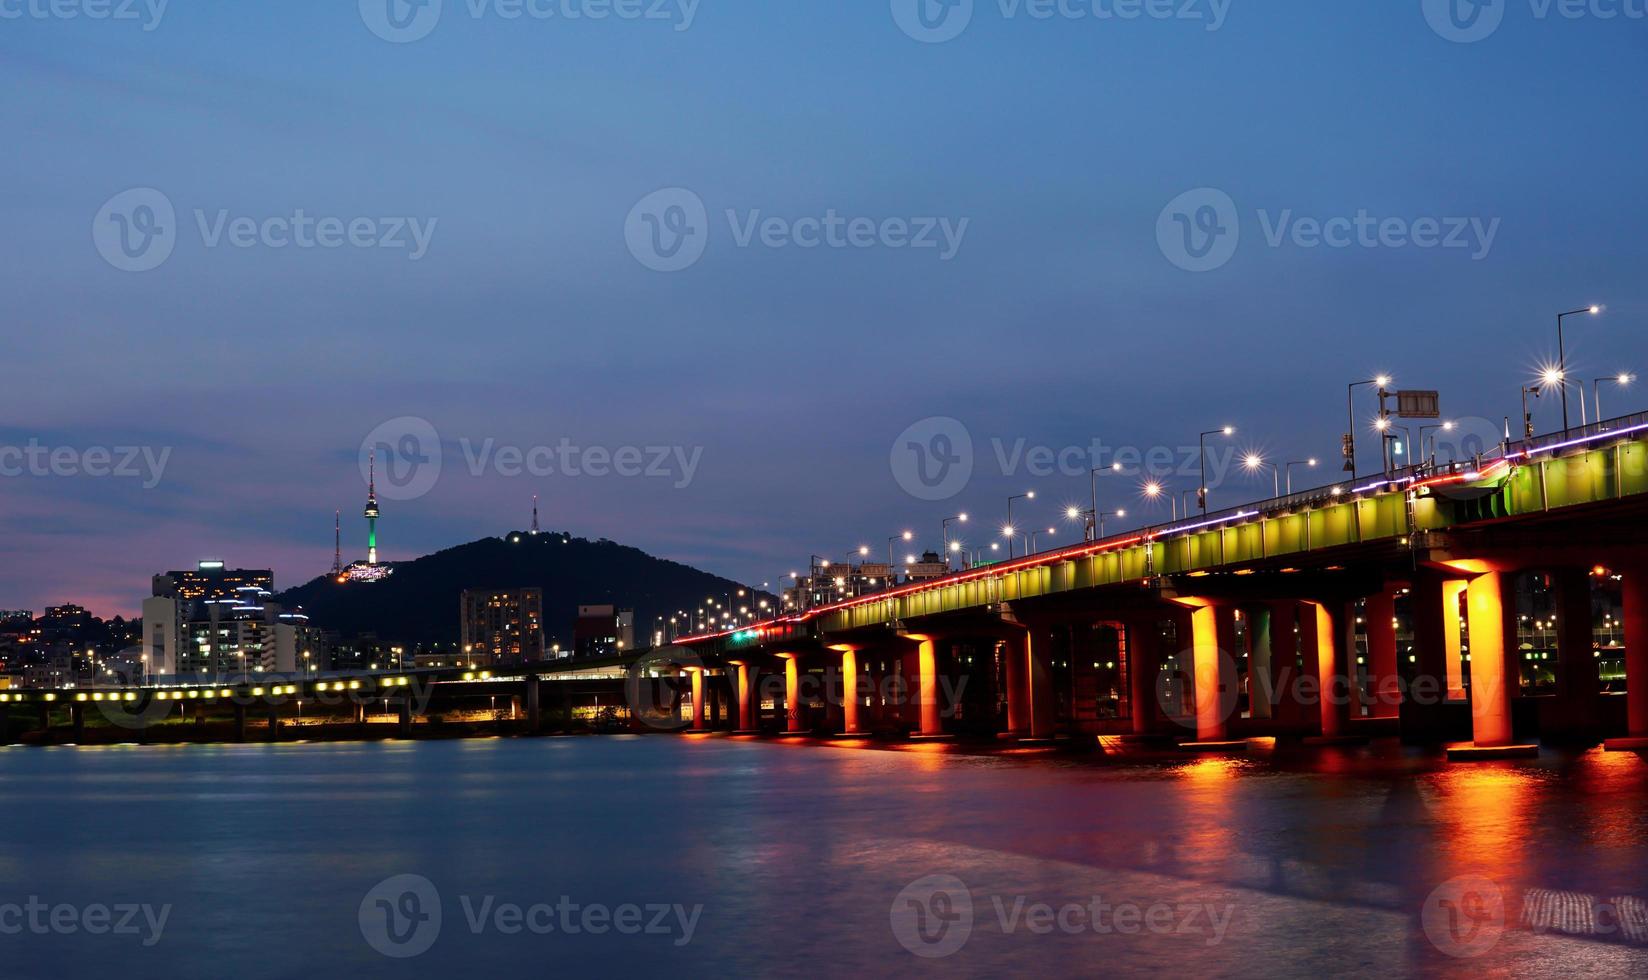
522, 146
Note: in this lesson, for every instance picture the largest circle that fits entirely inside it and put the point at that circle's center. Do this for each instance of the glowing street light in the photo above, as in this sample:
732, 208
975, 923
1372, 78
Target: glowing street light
906, 536
958, 519
1153, 490
1027, 495
1254, 463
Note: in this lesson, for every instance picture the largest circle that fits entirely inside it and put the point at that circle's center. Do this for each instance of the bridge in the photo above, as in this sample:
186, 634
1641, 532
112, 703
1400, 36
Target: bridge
1277, 617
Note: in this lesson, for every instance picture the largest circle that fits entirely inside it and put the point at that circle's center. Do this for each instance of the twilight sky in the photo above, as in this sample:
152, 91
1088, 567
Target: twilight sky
1023, 261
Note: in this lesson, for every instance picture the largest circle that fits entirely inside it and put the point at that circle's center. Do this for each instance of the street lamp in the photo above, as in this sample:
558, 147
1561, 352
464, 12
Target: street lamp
1527, 417
1201, 490
1153, 490
906, 536
1298, 462
1087, 519
1033, 546
1623, 380
958, 519
1562, 355
1027, 495
1383, 381
1254, 463
1093, 479
1103, 515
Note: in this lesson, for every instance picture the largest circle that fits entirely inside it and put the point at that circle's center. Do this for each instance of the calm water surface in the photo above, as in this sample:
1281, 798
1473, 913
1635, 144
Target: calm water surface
799, 860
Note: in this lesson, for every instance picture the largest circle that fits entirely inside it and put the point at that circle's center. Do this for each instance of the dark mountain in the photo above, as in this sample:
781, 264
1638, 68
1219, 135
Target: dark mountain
419, 602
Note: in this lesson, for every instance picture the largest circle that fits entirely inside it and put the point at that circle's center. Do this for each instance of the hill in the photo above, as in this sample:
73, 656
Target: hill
419, 602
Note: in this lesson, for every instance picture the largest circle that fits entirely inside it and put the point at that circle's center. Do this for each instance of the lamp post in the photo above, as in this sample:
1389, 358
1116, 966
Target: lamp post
1033, 546
1382, 381
1093, 479
1562, 355
1201, 490
1298, 462
906, 536
1623, 380
1430, 454
1255, 463
1087, 519
958, 519
1103, 515
1027, 495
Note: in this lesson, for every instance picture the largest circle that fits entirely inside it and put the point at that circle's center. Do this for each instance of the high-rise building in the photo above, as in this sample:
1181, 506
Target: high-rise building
603, 631
501, 626
217, 621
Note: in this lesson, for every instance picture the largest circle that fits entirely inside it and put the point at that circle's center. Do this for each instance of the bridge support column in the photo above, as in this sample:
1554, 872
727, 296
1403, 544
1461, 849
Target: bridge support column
697, 698
1215, 670
1384, 679
744, 696
534, 703
1577, 683
1494, 674
929, 723
240, 722
792, 694
1634, 592
1452, 646
850, 699
1144, 660
1285, 618
1333, 678
5, 726
1029, 687
1261, 674
360, 712
403, 713
77, 717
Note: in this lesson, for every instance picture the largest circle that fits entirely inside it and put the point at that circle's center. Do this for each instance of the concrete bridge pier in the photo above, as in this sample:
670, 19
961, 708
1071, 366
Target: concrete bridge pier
77, 717
1634, 593
5, 726
1261, 667
1030, 706
697, 678
360, 712
1494, 671
920, 669
1434, 602
1578, 687
1211, 642
240, 722
793, 722
533, 696
743, 698
403, 716
1332, 643
851, 700
1384, 678
1144, 660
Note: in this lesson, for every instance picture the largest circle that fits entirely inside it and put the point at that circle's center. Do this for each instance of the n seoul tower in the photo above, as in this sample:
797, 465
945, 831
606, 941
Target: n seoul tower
372, 508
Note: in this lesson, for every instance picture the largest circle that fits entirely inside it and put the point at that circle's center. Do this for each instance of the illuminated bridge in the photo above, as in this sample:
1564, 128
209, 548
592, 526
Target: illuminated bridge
1387, 605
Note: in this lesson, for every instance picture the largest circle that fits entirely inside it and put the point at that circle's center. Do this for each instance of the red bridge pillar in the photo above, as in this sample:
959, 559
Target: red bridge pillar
849, 690
741, 691
1384, 681
1333, 625
925, 690
1030, 711
1634, 588
1144, 659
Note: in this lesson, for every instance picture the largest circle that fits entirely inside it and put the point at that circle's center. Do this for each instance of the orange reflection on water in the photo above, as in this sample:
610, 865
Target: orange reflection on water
1484, 813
